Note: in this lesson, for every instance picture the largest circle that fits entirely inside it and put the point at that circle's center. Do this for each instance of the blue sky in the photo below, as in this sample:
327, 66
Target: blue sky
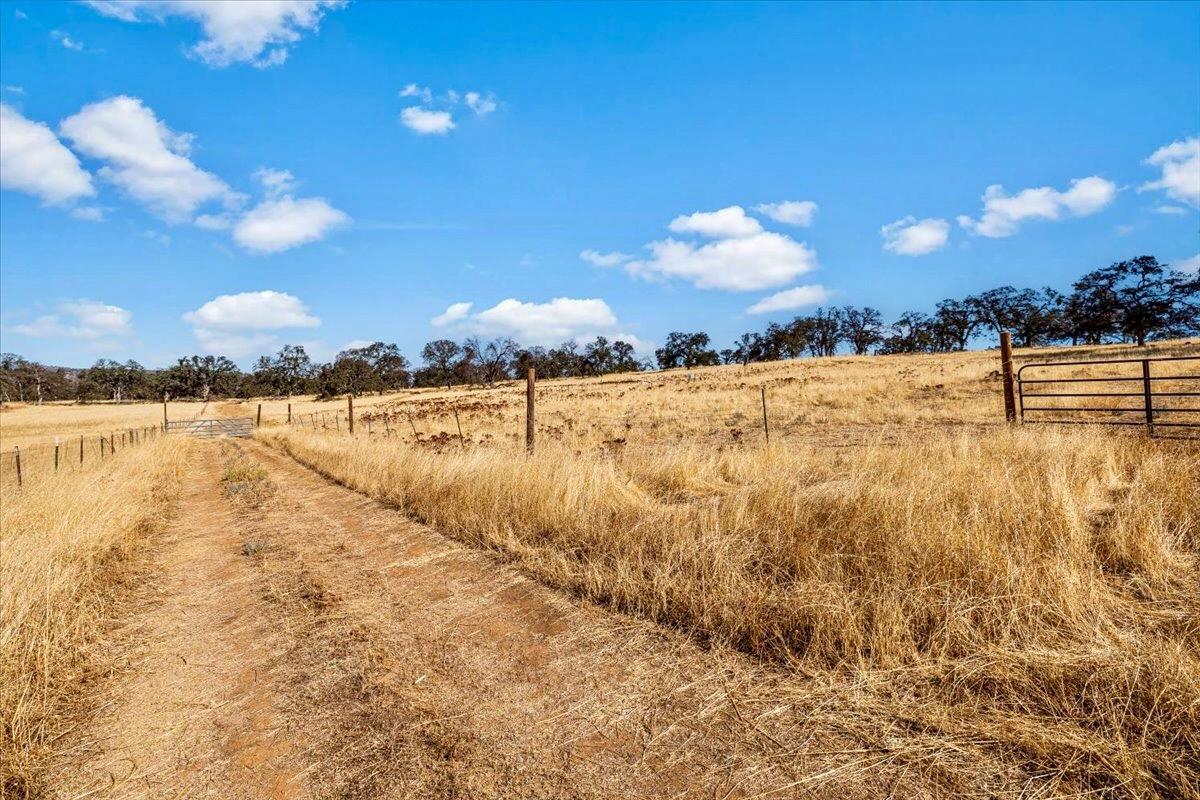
198, 179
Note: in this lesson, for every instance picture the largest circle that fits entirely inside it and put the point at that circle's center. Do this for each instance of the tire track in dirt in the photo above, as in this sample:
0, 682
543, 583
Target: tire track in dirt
423, 668
195, 716
300, 640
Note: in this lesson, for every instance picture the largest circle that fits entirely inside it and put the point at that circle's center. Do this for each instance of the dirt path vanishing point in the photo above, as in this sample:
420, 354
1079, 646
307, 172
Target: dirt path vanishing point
301, 640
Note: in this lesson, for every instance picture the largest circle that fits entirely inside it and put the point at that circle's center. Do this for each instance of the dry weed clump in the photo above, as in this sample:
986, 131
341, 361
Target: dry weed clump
1032, 589
68, 542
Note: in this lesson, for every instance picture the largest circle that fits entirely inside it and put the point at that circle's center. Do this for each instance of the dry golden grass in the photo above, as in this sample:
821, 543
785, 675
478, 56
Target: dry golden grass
831, 399
68, 542
34, 429
23, 425
1032, 590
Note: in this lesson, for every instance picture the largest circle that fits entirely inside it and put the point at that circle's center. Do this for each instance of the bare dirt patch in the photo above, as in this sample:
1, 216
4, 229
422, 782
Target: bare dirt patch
195, 715
423, 668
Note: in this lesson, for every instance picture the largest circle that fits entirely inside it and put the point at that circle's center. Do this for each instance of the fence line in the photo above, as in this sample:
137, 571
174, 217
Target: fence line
753, 421
69, 453
747, 423
738, 424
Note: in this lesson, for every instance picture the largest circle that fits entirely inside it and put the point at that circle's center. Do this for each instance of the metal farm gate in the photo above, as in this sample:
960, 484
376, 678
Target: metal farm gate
212, 428
1152, 392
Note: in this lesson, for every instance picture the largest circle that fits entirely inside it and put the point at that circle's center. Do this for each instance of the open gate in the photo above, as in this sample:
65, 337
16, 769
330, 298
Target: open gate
1159, 392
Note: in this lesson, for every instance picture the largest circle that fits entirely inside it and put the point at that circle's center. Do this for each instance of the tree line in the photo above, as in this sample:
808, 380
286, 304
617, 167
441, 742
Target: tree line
1130, 301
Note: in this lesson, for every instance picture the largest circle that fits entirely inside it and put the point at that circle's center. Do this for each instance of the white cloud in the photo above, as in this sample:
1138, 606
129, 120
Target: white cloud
1003, 213
265, 310
81, 319
64, 38
426, 122
413, 90
723, 224
34, 161
910, 237
453, 313
800, 296
1174, 211
88, 213
790, 212
1180, 165
743, 256
598, 259
275, 182
256, 33
762, 261
15, 89
481, 105
544, 324
214, 222
144, 157
1189, 266
278, 224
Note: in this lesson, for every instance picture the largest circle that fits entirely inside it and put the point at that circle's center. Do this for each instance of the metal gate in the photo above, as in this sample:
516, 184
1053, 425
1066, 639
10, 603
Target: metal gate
212, 428
1159, 392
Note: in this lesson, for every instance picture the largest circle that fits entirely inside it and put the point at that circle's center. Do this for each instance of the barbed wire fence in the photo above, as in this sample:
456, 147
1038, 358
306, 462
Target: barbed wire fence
69, 453
441, 422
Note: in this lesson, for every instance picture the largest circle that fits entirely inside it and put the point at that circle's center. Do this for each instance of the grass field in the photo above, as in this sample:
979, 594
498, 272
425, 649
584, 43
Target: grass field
827, 399
1031, 588
1002, 611
69, 543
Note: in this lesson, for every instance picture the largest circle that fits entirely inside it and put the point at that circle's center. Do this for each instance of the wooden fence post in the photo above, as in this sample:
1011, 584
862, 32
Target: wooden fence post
258, 418
1148, 396
164, 413
766, 428
530, 380
56, 454
461, 443
18, 456
102, 447
350, 412
81, 449
289, 413
112, 442
1006, 368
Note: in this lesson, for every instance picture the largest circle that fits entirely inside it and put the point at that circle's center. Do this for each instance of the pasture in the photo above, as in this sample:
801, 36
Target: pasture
882, 589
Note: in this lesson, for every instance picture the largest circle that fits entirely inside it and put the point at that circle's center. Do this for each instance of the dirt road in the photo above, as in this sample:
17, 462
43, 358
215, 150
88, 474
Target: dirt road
300, 640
